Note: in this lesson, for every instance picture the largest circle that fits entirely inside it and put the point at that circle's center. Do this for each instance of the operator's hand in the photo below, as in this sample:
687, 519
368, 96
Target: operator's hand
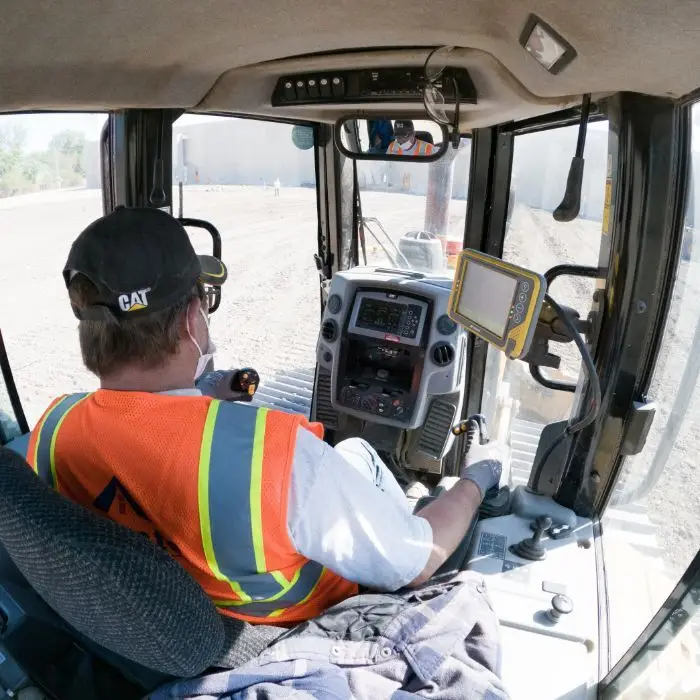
483, 466
218, 386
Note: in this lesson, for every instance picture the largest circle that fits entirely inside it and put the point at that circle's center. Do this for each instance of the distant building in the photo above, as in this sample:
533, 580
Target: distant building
239, 152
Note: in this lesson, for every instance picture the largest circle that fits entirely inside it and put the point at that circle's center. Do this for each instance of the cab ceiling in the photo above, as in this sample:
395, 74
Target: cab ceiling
87, 54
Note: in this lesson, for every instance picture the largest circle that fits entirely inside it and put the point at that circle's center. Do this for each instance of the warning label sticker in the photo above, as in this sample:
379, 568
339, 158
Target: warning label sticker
493, 545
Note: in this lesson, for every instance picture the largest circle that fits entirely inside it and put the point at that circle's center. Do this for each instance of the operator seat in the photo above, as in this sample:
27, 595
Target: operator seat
133, 606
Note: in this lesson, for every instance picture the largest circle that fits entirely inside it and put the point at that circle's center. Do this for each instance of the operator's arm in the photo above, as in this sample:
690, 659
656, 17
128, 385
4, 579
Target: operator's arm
343, 520
449, 516
451, 513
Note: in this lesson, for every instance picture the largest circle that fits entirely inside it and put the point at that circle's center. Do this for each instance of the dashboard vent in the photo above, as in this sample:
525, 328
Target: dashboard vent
442, 354
329, 330
324, 412
436, 429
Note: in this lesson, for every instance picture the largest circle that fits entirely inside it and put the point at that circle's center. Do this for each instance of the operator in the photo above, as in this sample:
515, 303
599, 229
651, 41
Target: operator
274, 523
405, 142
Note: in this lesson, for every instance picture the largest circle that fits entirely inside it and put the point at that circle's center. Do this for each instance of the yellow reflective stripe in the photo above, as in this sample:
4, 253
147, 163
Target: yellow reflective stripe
279, 577
203, 499
52, 450
256, 524
279, 612
286, 587
39, 428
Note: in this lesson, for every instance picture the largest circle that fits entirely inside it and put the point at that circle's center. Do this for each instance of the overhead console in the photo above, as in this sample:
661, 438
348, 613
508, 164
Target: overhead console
366, 85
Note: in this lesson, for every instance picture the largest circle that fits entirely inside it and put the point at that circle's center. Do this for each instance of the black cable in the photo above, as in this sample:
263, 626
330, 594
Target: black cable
593, 382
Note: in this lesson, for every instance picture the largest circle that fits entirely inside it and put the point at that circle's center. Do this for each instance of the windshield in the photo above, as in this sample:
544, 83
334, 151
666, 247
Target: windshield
413, 214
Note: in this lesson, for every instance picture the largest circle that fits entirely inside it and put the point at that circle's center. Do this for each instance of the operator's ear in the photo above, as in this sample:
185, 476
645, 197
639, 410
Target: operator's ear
193, 317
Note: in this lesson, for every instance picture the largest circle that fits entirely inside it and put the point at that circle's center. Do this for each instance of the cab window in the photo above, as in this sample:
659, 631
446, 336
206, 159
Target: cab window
9, 427
414, 213
536, 241
255, 181
651, 529
49, 192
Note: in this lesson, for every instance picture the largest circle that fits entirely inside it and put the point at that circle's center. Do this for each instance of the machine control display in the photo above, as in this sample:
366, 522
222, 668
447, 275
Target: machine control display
488, 310
497, 301
389, 317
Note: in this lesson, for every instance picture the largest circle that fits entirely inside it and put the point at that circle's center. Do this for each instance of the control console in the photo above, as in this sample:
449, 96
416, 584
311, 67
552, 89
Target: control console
382, 353
539, 565
388, 351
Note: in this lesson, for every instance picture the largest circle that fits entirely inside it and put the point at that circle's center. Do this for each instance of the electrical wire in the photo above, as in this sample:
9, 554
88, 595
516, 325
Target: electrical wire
593, 382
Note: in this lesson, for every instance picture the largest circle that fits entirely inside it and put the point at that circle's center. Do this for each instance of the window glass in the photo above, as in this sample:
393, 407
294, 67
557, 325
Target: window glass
251, 180
513, 401
49, 192
8, 422
668, 669
652, 526
414, 213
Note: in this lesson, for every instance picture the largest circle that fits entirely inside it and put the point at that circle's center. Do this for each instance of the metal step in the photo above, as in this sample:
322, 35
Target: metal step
290, 391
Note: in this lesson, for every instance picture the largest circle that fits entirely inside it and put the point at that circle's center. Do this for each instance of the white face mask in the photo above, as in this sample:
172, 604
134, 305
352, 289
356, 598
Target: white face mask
204, 357
407, 145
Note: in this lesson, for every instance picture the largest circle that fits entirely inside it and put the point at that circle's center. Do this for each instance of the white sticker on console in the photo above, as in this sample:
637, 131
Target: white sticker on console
491, 544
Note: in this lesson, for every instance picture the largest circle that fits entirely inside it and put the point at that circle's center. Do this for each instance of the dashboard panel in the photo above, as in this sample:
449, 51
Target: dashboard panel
387, 349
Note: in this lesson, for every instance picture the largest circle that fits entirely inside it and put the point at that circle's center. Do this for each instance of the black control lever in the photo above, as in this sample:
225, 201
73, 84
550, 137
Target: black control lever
470, 427
496, 500
246, 381
571, 203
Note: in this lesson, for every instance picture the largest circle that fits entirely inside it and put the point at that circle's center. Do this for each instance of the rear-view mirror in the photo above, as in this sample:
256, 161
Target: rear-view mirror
391, 139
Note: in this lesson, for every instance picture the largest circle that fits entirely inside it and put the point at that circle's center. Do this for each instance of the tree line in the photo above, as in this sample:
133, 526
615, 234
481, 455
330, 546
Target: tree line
57, 167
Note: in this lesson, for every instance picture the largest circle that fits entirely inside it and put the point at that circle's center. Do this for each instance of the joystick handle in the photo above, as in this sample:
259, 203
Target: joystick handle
245, 380
542, 524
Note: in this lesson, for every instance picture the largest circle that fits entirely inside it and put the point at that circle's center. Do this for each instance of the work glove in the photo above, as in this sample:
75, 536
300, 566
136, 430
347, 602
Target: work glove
483, 466
218, 385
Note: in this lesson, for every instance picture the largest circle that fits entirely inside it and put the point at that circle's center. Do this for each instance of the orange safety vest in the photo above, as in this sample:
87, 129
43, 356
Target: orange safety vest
207, 480
422, 149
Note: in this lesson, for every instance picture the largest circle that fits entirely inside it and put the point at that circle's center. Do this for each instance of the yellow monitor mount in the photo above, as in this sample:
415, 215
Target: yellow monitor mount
497, 301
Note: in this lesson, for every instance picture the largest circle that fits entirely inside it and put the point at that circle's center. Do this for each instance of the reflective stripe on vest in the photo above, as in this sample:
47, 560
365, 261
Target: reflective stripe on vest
41, 454
224, 479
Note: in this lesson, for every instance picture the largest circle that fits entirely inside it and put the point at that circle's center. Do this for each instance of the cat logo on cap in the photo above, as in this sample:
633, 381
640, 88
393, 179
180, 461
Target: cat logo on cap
135, 301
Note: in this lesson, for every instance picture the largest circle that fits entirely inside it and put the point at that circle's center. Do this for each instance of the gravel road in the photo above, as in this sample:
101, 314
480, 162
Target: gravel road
269, 315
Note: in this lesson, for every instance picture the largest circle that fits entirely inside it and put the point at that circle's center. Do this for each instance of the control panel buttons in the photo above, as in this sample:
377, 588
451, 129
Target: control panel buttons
325, 87
338, 87
312, 87
358, 397
522, 297
525, 287
519, 308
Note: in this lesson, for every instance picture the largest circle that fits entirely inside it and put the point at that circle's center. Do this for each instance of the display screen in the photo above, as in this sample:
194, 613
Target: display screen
389, 317
486, 298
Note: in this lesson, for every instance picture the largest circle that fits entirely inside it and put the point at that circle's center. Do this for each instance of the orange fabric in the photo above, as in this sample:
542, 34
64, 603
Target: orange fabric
151, 444
423, 149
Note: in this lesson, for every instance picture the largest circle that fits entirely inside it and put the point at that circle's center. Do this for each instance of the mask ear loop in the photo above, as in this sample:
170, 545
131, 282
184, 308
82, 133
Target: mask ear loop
192, 338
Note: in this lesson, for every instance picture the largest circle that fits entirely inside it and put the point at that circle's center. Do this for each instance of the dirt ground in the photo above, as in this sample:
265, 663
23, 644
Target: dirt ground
269, 315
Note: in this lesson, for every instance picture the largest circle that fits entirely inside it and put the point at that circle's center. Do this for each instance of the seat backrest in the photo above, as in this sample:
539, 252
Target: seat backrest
112, 585
425, 136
